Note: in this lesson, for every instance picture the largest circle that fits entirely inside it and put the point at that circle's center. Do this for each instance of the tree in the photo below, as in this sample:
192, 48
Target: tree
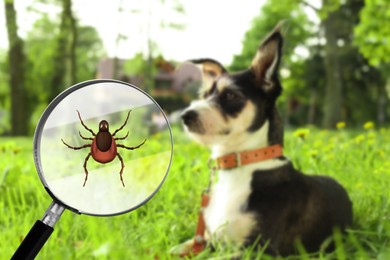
334, 83
64, 60
16, 65
349, 77
89, 50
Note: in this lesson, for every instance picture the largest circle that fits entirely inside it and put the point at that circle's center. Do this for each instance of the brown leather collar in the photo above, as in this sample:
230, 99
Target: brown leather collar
238, 159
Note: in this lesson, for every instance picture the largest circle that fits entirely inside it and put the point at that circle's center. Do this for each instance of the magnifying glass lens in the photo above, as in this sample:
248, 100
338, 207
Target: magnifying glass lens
98, 148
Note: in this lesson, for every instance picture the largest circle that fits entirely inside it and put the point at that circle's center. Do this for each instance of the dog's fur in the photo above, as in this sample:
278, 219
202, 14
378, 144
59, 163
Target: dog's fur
266, 202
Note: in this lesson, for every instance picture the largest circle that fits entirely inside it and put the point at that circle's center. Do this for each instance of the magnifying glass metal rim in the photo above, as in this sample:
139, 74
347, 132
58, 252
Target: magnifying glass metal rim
38, 133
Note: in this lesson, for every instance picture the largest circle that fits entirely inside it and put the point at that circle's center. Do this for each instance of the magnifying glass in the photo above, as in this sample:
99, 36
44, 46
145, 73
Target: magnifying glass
101, 148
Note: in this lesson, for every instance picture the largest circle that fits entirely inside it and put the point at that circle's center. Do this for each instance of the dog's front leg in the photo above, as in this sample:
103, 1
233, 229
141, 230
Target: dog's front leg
192, 246
183, 249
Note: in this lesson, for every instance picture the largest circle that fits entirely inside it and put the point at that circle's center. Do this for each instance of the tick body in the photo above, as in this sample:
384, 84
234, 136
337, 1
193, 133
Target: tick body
103, 148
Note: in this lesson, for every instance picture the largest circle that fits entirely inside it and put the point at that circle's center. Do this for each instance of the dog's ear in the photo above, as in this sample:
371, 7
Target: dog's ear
265, 64
211, 69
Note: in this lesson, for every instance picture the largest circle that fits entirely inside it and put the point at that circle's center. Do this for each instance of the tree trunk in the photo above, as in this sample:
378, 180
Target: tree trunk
334, 82
16, 62
383, 98
64, 60
311, 116
73, 45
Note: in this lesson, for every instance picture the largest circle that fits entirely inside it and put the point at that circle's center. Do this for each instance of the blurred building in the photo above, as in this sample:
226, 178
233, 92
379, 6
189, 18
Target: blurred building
172, 86
168, 77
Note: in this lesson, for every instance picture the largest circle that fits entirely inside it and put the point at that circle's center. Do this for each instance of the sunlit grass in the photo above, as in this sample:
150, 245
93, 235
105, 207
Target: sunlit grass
359, 159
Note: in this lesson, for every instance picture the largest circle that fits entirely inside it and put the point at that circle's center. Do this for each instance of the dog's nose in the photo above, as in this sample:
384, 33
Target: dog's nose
189, 116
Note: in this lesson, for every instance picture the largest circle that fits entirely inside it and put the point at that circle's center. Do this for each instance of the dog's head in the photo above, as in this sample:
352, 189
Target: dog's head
238, 105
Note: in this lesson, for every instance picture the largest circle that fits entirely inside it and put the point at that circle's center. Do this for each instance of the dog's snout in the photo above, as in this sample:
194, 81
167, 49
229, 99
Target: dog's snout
189, 116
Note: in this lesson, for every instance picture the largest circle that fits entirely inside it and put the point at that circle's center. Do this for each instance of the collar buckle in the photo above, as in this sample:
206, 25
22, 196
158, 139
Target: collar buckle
238, 159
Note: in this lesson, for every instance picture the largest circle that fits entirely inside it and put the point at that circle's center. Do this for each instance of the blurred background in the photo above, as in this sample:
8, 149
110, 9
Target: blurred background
335, 74
335, 67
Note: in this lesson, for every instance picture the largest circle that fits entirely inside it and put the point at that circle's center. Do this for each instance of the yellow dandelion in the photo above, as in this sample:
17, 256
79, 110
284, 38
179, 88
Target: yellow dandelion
314, 153
369, 125
302, 132
341, 125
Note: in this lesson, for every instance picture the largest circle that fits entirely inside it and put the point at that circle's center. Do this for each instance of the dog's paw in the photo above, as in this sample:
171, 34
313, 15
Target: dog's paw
183, 248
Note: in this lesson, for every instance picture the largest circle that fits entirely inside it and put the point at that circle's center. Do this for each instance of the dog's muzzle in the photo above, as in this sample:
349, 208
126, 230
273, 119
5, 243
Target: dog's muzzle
189, 116
191, 121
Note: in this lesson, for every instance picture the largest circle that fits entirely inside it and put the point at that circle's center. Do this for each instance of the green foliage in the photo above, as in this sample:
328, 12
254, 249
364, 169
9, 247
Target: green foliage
312, 69
372, 36
328, 6
296, 27
358, 159
88, 52
138, 65
135, 65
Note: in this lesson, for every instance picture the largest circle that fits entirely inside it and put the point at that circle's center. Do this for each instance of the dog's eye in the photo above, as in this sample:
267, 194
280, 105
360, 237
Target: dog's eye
229, 96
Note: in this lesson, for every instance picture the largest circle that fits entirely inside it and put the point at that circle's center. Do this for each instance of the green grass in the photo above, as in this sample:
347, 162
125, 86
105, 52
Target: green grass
357, 159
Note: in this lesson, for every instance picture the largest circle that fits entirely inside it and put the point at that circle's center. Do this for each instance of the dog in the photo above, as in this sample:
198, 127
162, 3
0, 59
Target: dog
260, 198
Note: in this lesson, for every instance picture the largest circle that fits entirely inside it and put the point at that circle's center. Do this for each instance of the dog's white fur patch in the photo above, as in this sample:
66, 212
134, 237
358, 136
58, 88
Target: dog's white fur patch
224, 215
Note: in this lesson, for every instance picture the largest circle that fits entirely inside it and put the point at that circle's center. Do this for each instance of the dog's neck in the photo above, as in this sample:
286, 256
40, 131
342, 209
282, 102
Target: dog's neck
243, 142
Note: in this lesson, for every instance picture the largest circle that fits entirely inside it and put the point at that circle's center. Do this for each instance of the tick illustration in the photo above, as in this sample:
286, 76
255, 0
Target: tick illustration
104, 146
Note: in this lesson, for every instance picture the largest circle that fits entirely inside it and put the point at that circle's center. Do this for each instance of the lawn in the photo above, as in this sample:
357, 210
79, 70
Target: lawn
359, 159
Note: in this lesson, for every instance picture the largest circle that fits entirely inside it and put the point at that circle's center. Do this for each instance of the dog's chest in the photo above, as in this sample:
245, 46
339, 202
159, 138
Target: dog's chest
225, 215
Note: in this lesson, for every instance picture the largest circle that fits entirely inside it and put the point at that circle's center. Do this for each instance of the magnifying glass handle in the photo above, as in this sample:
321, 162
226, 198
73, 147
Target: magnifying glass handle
39, 233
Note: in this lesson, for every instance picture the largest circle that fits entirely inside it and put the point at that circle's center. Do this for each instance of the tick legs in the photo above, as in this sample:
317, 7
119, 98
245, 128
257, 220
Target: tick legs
85, 138
85, 168
131, 148
75, 147
123, 166
122, 138
86, 127
120, 128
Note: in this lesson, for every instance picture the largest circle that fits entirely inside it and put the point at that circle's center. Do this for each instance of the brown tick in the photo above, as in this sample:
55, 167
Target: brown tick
104, 146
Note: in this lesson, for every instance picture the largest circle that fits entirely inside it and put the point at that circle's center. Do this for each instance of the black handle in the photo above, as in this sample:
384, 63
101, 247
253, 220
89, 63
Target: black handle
33, 242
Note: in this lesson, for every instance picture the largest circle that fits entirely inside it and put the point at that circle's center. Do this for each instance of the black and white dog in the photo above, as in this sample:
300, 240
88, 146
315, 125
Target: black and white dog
259, 196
